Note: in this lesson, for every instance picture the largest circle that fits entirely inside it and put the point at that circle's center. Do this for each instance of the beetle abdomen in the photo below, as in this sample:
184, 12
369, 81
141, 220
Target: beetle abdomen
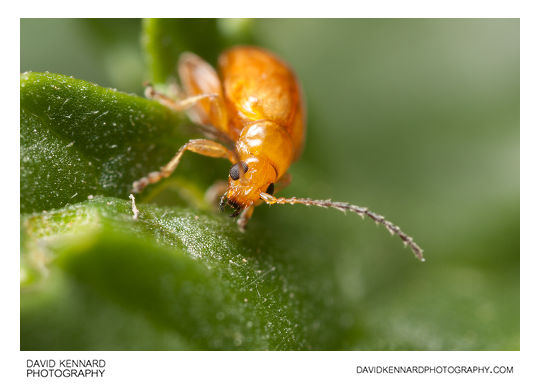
259, 86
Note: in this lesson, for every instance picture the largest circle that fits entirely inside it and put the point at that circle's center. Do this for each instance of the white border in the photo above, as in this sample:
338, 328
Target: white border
290, 367
275, 8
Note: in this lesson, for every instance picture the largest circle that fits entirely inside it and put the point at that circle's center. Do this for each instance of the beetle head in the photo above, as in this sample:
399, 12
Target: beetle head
247, 180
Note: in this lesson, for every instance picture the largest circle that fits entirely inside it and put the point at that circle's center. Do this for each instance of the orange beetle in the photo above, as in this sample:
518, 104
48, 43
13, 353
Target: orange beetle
255, 107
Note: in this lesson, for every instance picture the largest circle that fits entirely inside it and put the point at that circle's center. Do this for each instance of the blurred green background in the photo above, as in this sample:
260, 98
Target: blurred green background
416, 119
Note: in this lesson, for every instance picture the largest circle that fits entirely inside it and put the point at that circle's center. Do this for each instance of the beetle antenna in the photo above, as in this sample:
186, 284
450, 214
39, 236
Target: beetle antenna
346, 207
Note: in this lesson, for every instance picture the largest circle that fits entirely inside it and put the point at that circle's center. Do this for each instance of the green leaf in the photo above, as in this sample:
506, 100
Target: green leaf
171, 271
79, 139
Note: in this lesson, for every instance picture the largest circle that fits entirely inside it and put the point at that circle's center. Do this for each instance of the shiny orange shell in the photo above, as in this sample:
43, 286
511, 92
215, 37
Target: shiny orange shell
259, 86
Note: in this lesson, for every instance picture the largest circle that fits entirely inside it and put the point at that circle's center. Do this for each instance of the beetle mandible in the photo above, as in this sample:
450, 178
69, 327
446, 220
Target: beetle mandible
252, 114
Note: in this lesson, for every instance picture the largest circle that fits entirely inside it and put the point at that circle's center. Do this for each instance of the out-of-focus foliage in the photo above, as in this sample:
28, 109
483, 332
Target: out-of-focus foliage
417, 119
164, 39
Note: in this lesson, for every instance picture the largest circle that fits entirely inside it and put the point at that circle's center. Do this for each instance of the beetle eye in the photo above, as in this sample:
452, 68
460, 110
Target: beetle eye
235, 171
270, 189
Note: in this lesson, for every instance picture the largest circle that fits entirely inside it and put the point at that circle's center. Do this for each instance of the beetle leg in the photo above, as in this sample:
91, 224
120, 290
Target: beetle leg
244, 217
201, 146
215, 191
199, 78
181, 103
176, 104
